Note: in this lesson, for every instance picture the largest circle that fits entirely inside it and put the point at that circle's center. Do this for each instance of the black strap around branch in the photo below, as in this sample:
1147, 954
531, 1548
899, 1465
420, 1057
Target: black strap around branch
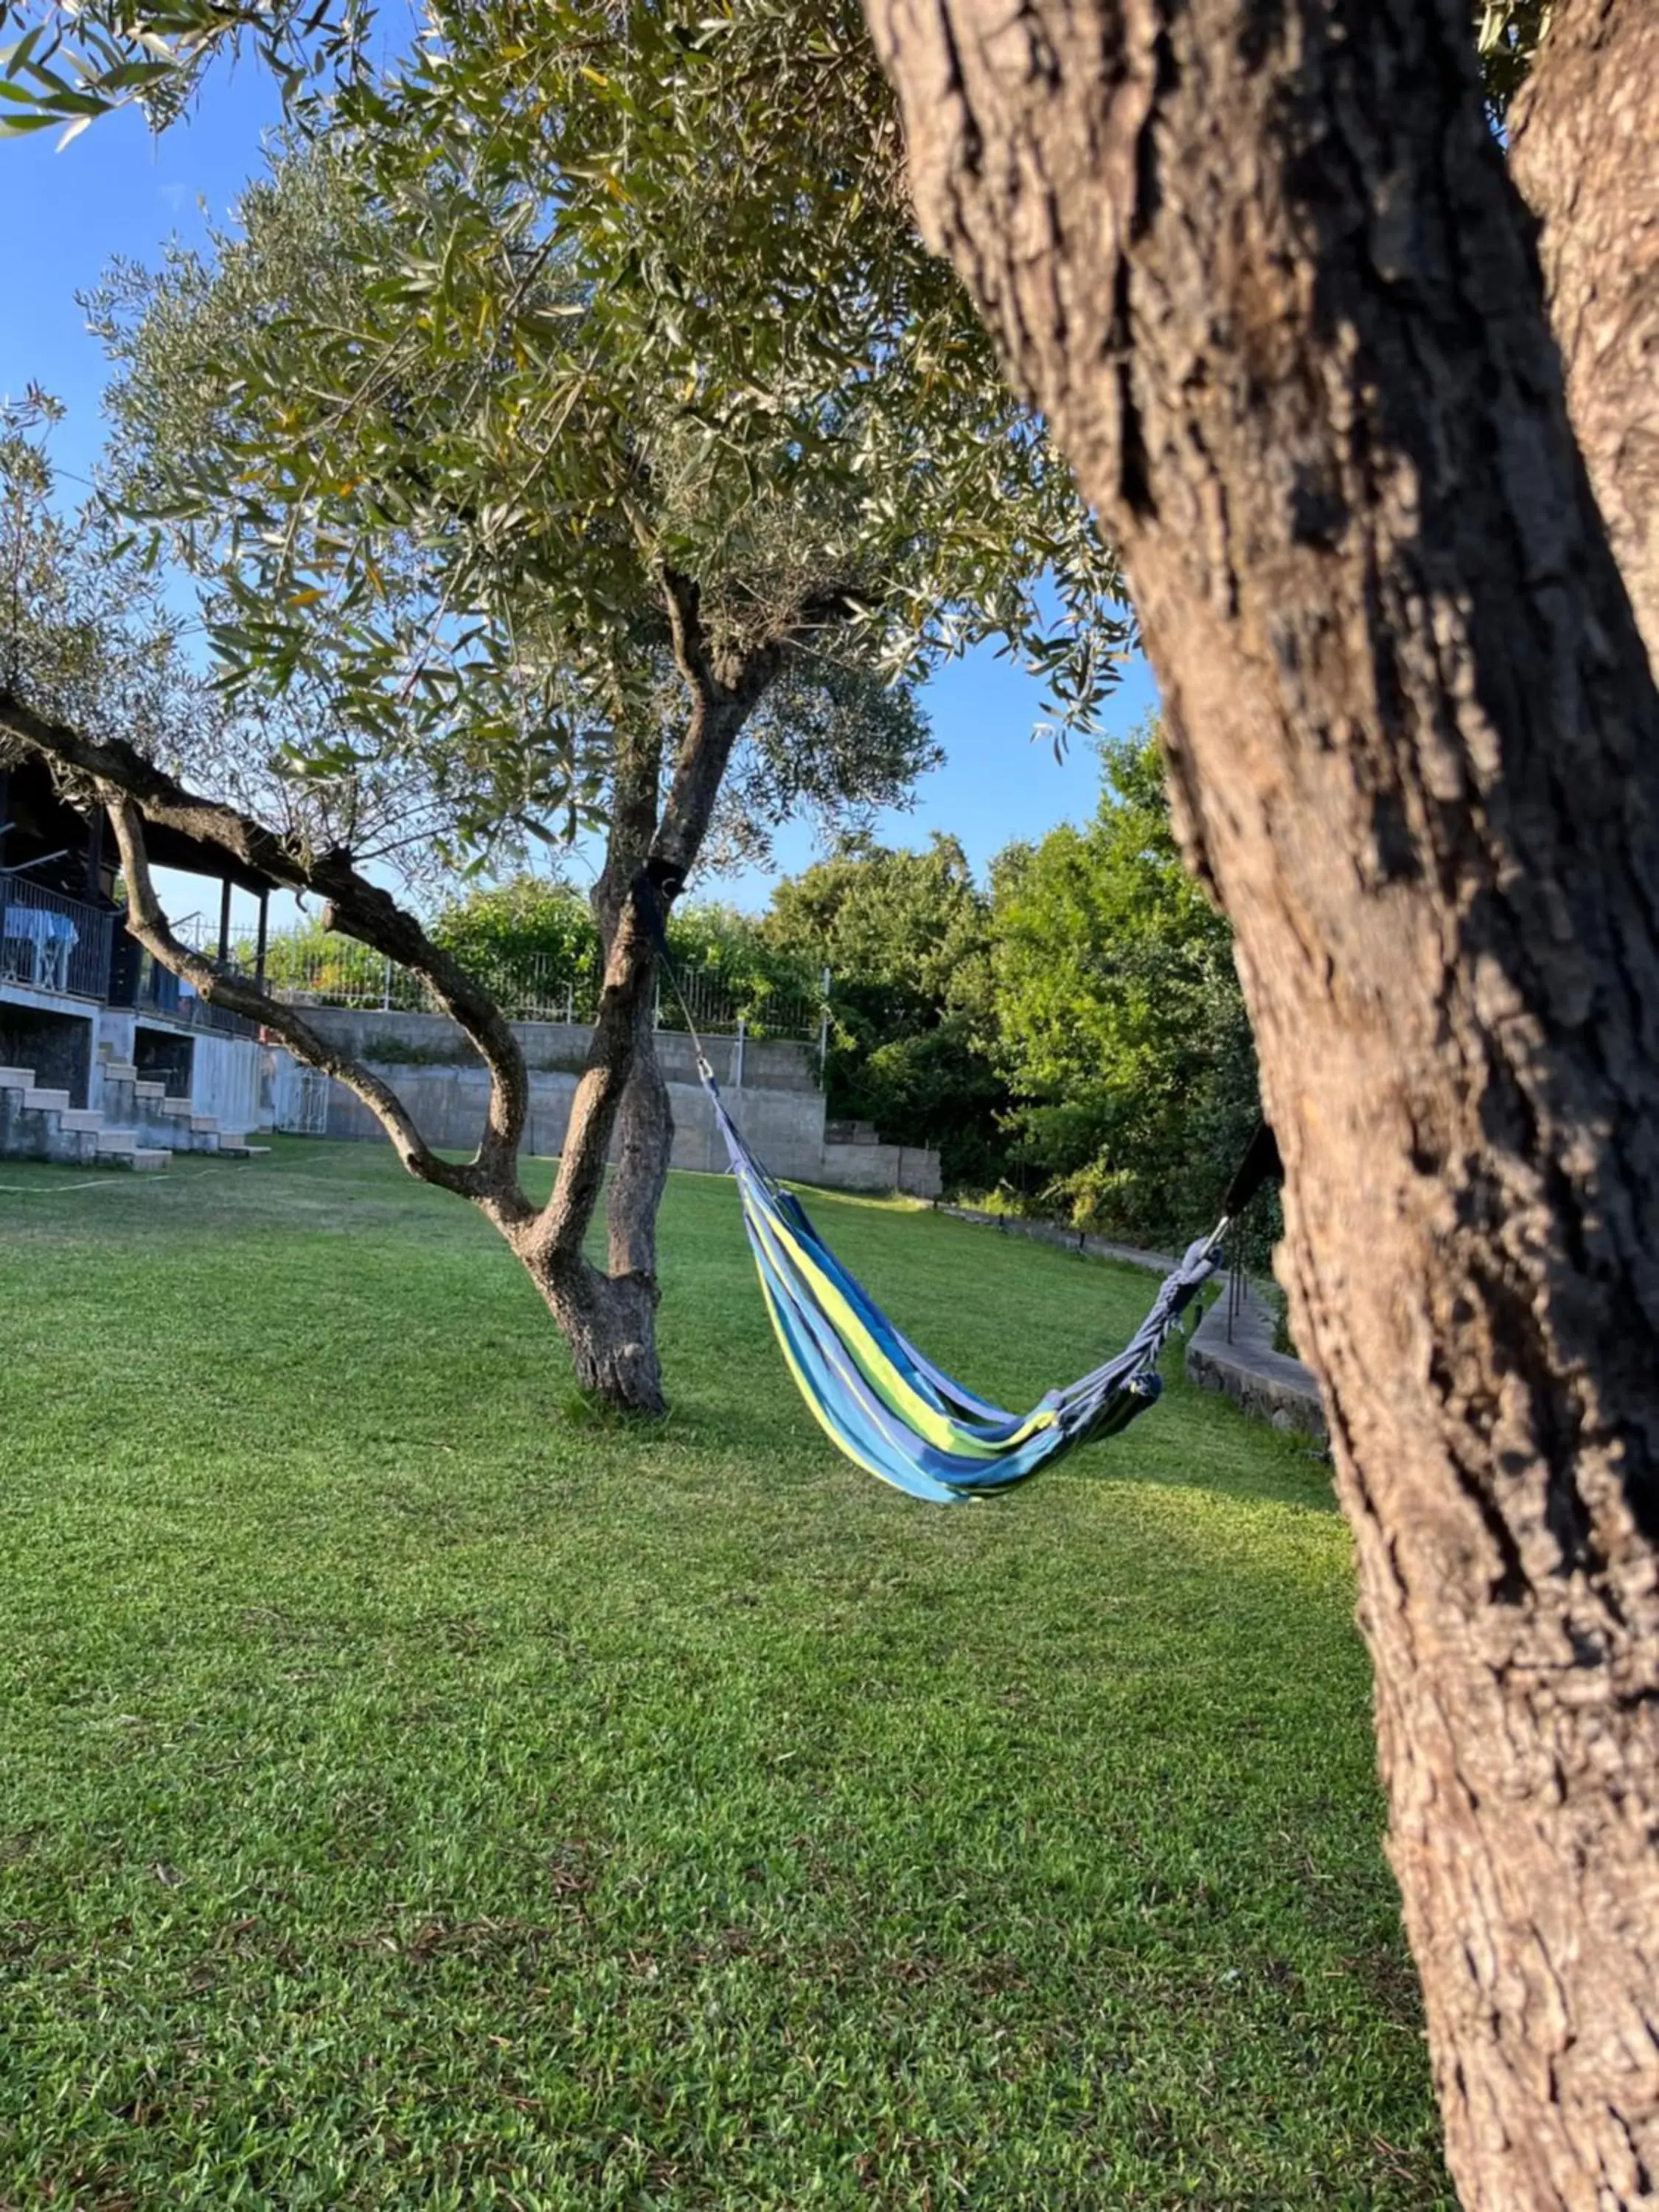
1260, 1164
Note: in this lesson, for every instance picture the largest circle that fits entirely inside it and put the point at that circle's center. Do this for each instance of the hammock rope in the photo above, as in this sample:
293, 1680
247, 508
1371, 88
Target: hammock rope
882, 1401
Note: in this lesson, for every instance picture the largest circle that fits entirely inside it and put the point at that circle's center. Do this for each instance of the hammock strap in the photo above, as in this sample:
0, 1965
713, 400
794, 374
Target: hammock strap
657, 883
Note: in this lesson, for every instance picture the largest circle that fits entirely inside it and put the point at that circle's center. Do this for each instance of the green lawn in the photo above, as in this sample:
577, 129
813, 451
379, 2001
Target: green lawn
413, 1792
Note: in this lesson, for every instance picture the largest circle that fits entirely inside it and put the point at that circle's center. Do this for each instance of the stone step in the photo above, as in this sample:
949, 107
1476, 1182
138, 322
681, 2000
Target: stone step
119, 1071
203, 1125
80, 1117
16, 1078
120, 1148
180, 1108
149, 1090
46, 1102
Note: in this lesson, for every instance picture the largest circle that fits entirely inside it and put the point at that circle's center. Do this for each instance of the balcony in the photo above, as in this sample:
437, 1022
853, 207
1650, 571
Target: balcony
160, 993
152, 992
50, 943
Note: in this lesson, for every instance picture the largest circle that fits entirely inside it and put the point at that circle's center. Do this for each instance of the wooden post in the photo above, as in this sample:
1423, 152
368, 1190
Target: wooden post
224, 923
265, 930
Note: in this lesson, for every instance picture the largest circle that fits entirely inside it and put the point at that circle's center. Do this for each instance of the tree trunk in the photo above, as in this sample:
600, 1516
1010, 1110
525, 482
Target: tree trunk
610, 1323
645, 1121
610, 1319
638, 1173
1584, 149
1264, 268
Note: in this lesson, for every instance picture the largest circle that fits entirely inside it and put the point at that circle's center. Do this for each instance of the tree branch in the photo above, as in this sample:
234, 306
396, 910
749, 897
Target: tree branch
148, 924
361, 909
687, 638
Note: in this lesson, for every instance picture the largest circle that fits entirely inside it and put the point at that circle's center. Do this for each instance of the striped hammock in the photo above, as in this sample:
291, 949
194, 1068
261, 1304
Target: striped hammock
888, 1407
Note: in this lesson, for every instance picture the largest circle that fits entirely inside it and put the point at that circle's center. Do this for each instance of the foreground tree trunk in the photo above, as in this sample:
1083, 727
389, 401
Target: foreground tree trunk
1265, 270
1584, 150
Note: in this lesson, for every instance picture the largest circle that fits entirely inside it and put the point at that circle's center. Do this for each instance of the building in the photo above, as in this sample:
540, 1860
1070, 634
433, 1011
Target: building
106, 1056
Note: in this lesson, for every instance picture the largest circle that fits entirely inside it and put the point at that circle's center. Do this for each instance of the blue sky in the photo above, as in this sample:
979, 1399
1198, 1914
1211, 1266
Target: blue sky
116, 190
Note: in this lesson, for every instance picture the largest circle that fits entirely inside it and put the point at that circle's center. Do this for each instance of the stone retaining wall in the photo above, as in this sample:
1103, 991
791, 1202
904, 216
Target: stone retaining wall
1243, 1363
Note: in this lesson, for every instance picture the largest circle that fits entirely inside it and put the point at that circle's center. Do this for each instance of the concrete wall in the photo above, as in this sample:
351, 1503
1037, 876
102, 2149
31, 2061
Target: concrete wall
908, 1167
770, 1087
414, 1039
785, 1127
231, 1079
228, 1077
448, 1104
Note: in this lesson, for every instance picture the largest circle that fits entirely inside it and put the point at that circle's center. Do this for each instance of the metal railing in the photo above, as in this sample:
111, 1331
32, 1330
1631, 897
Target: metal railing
53, 943
150, 989
163, 994
337, 971
532, 987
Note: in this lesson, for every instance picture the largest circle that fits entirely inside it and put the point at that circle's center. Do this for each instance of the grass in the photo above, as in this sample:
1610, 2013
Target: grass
410, 1795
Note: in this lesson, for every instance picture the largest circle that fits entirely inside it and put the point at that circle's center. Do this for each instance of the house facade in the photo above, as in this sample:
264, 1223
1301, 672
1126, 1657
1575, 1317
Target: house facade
105, 1057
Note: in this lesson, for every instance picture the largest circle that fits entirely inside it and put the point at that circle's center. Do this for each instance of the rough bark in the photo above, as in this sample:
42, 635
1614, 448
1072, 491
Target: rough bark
1584, 150
645, 1123
610, 1323
1265, 270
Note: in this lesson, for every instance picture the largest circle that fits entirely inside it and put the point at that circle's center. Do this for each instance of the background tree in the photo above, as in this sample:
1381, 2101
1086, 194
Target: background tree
903, 937
1117, 1018
535, 937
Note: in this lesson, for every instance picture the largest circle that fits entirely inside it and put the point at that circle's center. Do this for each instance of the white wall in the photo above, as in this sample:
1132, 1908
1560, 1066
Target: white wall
231, 1079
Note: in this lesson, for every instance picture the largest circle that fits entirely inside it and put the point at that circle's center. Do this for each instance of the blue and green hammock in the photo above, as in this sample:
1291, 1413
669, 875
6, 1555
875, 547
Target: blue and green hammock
886, 1405
882, 1401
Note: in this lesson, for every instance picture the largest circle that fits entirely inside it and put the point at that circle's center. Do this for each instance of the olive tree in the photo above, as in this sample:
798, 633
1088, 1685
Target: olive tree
443, 430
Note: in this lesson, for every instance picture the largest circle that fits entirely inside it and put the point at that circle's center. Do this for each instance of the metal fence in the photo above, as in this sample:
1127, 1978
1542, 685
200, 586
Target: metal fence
159, 991
534, 987
156, 990
53, 943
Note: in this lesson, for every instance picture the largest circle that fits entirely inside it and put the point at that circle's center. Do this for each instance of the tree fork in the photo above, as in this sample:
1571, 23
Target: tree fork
1265, 272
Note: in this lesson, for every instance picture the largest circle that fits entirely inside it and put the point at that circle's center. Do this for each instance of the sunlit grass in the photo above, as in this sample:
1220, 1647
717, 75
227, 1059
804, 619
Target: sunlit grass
411, 1796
